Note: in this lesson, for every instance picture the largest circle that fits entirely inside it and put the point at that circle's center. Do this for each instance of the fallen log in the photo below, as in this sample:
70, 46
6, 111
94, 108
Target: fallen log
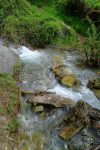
50, 99
75, 121
78, 119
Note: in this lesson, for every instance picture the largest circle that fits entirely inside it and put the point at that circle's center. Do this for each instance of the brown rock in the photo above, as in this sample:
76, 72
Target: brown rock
38, 109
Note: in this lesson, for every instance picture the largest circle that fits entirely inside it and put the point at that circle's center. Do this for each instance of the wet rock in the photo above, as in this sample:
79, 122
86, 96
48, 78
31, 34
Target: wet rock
24, 136
97, 148
50, 99
77, 143
38, 109
76, 121
84, 132
42, 115
65, 76
38, 140
96, 93
61, 70
93, 113
94, 85
68, 80
69, 132
35, 141
97, 124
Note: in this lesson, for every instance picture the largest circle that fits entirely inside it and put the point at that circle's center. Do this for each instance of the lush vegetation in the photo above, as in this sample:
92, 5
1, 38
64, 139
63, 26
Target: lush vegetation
52, 22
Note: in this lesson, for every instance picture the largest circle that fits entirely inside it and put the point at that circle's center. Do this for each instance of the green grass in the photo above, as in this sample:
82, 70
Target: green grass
8, 86
93, 4
7, 83
10, 102
2, 110
39, 28
12, 125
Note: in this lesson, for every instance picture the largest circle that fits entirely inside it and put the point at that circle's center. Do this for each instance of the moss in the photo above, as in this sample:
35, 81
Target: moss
69, 80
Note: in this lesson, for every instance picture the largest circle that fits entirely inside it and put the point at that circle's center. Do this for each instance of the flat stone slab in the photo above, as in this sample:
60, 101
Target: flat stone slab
50, 99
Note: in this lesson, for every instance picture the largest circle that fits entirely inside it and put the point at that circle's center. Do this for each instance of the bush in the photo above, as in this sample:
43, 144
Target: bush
39, 29
91, 47
78, 7
10, 7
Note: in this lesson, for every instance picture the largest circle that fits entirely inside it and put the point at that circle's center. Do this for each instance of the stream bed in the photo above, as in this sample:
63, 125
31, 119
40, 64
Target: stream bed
41, 134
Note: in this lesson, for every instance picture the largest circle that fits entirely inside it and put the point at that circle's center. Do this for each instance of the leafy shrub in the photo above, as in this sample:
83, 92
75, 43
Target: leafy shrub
41, 3
39, 28
91, 47
10, 7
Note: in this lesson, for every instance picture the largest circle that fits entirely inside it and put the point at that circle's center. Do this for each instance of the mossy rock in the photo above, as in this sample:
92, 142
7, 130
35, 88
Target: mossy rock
94, 83
96, 93
23, 136
38, 109
69, 80
25, 146
61, 70
42, 115
38, 140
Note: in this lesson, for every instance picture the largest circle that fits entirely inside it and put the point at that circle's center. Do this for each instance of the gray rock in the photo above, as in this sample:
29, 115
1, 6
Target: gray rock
7, 59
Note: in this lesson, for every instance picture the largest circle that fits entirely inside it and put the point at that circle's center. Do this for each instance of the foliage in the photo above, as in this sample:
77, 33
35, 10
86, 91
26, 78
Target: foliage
45, 22
7, 83
10, 7
41, 3
2, 110
39, 28
70, 41
12, 104
93, 4
91, 47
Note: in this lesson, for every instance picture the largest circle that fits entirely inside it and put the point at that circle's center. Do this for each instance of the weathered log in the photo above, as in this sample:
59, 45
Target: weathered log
76, 121
50, 99
93, 113
78, 118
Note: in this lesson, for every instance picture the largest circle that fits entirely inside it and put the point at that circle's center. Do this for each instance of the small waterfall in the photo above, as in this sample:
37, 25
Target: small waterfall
36, 76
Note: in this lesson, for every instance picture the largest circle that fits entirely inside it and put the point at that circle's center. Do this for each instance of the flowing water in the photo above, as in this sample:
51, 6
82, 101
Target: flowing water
36, 76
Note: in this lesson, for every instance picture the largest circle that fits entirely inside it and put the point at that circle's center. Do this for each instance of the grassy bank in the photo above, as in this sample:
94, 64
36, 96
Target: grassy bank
9, 108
